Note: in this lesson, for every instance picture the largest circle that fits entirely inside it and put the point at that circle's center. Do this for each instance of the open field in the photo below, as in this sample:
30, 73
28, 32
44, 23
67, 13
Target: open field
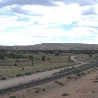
86, 58
40, 75
12, 67
23, 65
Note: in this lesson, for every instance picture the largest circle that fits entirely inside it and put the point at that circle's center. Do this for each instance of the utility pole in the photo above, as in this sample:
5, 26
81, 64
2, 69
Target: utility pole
69, 55
31, 58
2, 92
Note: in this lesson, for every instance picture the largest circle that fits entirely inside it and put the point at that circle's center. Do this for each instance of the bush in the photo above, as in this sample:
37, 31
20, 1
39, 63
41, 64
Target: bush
59, 66
37, 59
59, 83
18, 75
37, 91
93, 91
3, 78
57, 53
12, 97
69, 77
43, 89
65, 94
28, 73
78, 75
15, 64
90, 55
17, 61
48, 58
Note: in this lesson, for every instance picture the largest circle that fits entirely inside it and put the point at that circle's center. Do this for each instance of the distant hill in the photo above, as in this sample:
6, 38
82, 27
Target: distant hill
53, 46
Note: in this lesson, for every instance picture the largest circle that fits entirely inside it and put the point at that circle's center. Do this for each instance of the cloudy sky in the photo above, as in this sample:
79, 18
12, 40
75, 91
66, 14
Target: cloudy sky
28, 22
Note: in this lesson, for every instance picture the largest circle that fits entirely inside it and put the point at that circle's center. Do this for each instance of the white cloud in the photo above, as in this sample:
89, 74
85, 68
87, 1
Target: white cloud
17, 28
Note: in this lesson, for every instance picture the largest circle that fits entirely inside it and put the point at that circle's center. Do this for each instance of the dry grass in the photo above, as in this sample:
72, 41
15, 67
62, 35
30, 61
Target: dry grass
23, 66
86, 58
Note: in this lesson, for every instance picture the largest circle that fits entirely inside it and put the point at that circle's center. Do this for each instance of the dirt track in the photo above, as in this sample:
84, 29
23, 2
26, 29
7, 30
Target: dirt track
17, 80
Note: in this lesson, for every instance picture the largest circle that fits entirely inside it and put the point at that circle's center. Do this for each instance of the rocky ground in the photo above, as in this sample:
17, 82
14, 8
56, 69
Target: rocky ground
82, 87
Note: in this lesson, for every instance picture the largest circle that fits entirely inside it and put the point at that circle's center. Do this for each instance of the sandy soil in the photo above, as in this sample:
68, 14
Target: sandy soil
83, 87
18, 80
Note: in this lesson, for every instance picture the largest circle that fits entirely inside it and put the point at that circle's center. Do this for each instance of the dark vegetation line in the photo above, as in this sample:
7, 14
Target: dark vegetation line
12, 53
42, 81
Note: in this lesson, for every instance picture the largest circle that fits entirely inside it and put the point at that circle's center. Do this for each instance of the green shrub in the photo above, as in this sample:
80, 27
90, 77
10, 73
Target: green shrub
65, 94
12, 97
43, 89
37, 91
18, 75
59, 83
69, 77
15, 64
37, 59
28, 73
48, 58
3, 78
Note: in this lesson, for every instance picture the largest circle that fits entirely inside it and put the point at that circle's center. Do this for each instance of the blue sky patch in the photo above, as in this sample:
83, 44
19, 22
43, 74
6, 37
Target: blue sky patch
24, 19
70, 26
65, 26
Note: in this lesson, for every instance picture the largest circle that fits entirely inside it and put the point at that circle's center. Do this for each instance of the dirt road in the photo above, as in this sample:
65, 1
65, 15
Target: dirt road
18, 80
75, 60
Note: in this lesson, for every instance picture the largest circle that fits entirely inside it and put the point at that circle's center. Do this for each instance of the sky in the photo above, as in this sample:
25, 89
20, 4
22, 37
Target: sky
29, 22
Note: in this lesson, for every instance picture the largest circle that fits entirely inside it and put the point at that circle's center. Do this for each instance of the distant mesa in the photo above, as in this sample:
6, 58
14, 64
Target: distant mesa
53, 46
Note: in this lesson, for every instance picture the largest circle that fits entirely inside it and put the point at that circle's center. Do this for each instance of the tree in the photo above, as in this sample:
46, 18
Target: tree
31, 58
69, 56
57, 53
43, 58
1, 56
90, 55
